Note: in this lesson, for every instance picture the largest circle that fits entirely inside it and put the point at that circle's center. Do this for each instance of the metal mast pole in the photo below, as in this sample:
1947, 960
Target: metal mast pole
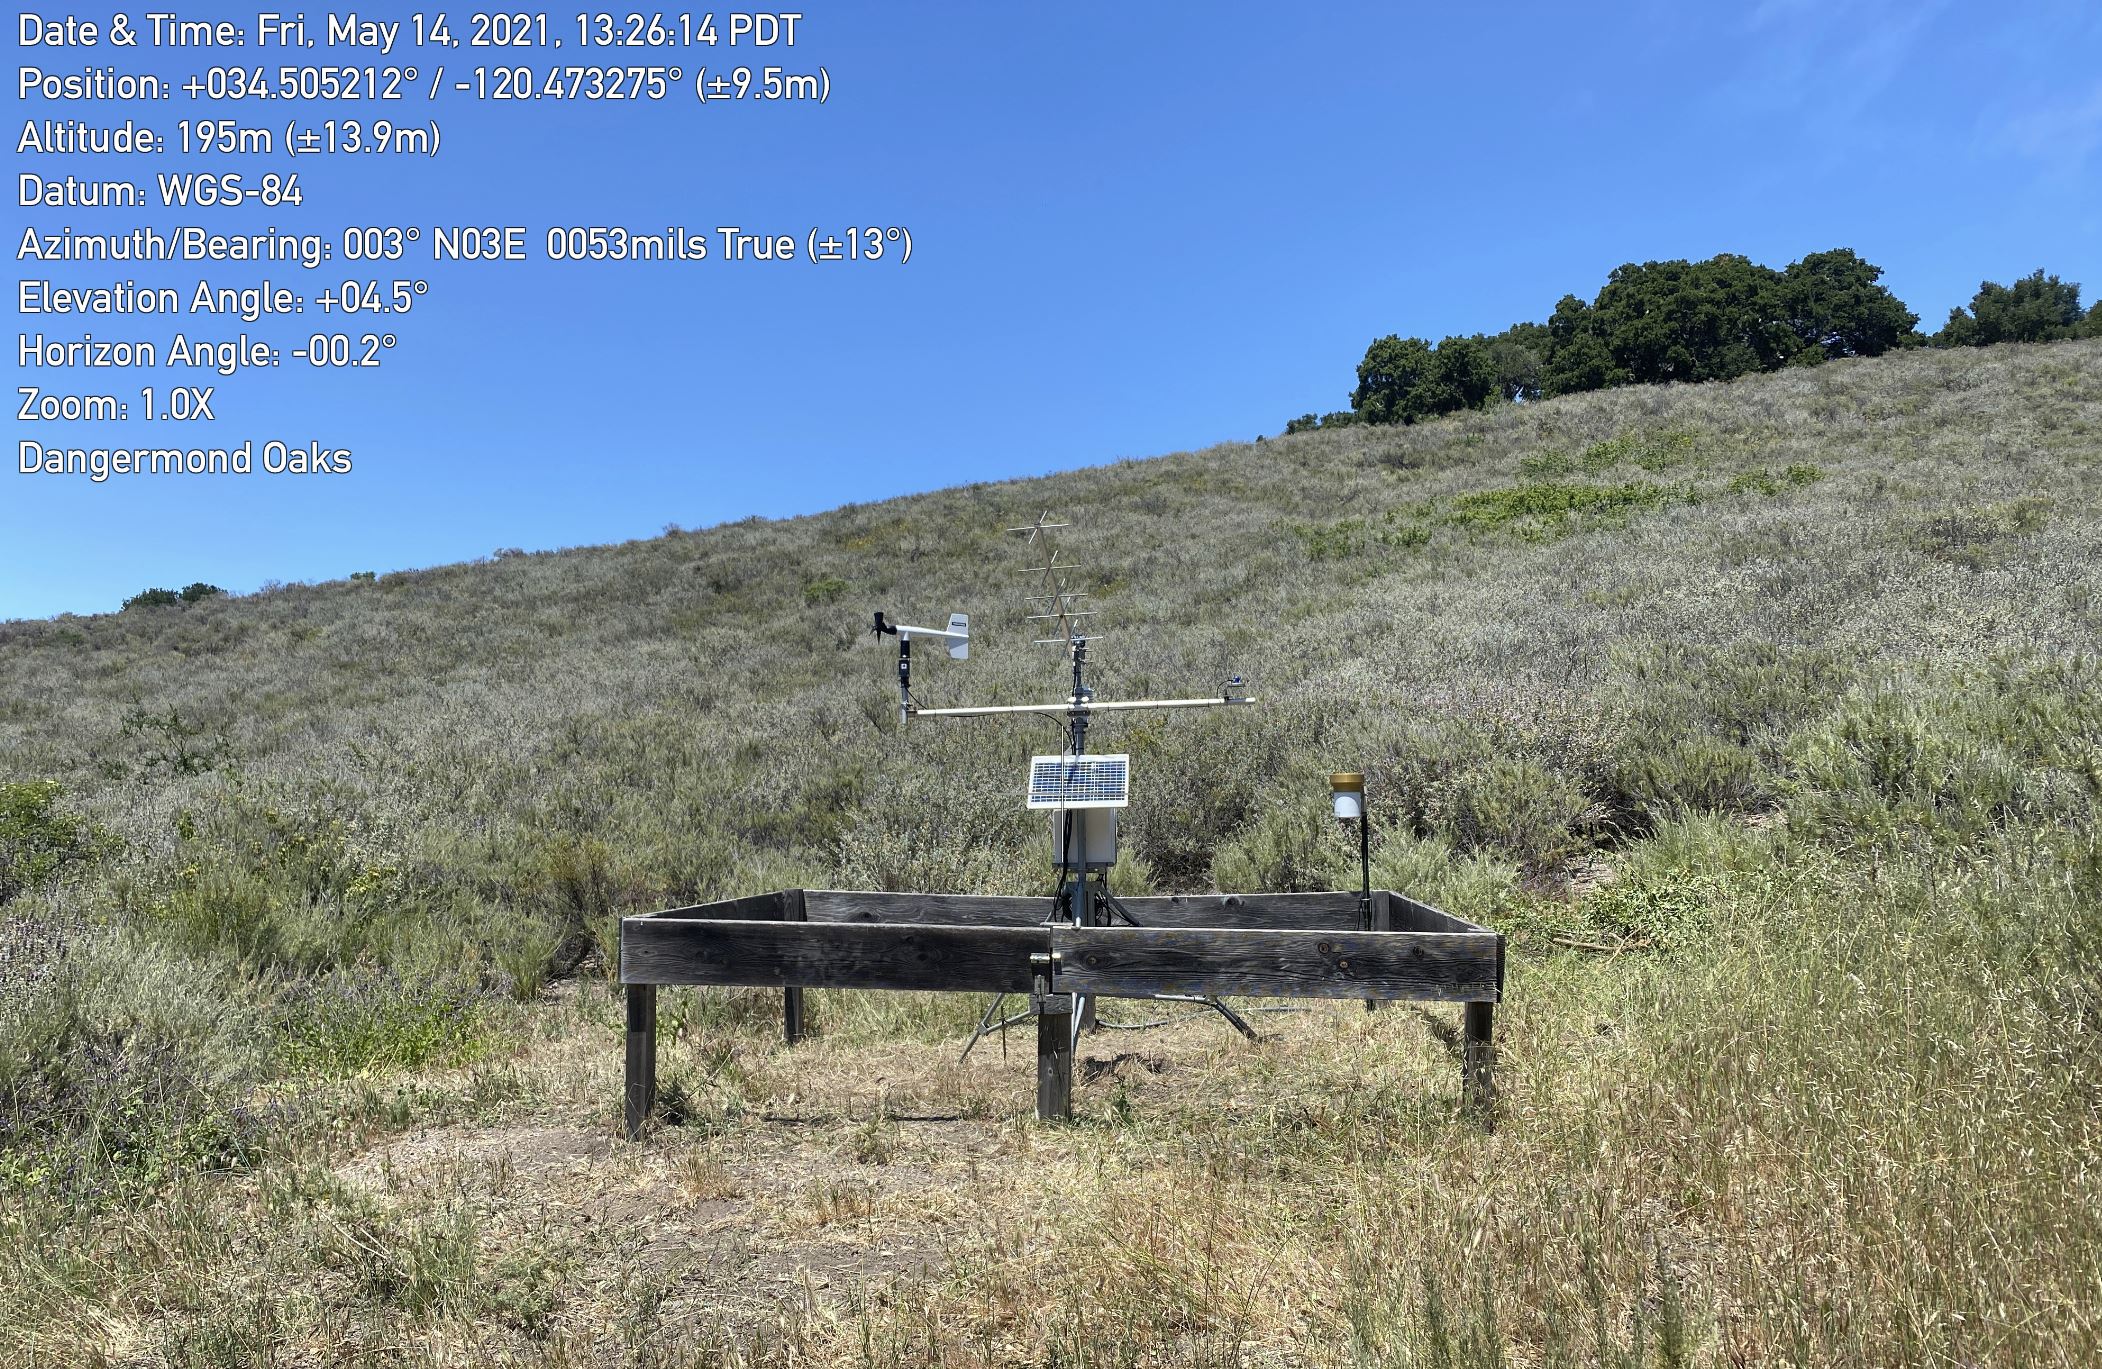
1082, 895
1080, 889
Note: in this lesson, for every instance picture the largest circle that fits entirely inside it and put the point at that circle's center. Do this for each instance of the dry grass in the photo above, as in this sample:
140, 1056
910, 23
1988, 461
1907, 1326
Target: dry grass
321, 1068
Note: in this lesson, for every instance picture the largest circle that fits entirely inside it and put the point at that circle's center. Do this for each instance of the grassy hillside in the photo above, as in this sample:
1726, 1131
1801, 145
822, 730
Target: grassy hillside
1766, 718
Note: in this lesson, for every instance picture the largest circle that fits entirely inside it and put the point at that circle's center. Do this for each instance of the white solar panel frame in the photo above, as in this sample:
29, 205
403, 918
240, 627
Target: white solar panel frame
1080, 781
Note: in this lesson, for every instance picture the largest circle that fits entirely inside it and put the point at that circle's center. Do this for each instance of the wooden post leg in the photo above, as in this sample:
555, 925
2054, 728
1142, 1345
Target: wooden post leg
1478, 1054
641, 1097
793, 1028
1054, 1063
1054, 1045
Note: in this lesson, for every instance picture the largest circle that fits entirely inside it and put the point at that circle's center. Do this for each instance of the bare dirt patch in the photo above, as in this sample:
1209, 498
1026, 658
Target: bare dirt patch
838, 1176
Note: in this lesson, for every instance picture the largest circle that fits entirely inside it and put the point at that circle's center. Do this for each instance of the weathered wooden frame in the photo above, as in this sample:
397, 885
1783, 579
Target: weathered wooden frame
1210, 945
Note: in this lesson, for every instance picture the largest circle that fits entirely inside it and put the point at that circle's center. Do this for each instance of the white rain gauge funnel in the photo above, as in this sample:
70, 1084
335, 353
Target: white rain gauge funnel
1348, 791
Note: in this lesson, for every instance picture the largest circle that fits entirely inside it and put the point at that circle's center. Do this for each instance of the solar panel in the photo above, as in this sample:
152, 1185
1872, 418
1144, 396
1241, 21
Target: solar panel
1079, 781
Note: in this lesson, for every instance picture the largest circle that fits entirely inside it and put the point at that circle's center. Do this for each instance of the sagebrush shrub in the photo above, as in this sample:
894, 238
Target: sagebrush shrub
1517, 808
121, 1064
39, 841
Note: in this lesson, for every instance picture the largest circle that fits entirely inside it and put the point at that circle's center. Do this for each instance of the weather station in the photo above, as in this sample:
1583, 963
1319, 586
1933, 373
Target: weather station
1083, 943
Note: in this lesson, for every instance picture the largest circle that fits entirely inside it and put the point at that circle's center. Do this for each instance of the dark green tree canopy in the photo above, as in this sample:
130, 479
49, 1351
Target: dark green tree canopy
1463, 374
1679, 320
1395, 381
1834, 307
1577, 355
2036, 308
1405, 380
1519, 355
165, 598
1717, 319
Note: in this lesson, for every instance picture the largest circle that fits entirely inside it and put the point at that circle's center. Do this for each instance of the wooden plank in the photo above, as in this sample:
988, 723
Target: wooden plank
828, 956
1328, 911
1276, 912
940, 910
1412, 915
751, 908
1435, 966
639, 1097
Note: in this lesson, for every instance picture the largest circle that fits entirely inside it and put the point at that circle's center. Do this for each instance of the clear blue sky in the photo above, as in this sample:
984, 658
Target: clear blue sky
1138, 229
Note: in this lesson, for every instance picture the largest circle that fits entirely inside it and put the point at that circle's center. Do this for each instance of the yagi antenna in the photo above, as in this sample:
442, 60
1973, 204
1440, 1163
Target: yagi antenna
1058, 604
1040, 528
